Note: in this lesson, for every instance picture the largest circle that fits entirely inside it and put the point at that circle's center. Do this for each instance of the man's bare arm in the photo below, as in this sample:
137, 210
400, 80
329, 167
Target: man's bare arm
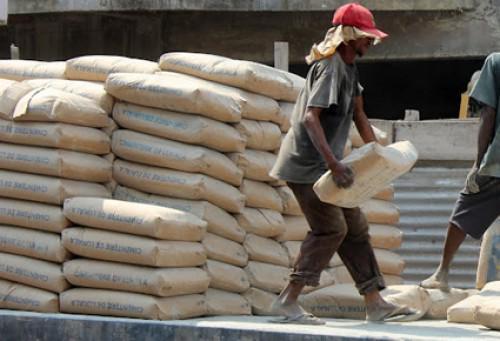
361, 121
486, 131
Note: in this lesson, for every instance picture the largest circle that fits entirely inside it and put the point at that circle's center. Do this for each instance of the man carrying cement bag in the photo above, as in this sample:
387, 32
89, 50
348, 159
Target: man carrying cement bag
478, 204
321, 121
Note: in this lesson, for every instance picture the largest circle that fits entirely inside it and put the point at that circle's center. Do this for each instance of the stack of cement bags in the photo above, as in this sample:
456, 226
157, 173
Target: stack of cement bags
18, 70
50, 151
138, 260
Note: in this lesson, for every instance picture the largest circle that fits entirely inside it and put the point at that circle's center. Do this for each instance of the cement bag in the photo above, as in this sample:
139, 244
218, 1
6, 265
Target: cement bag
126, 248
140, 279
412, 296
265, 250
221, 302
55, 135
296, 228
97, 68
10, 93
90, 90
374, 167
347, 148
488, 314
380, 212
126, 304
442, 300
463, 311
334, 261
33, 215
155, 151
325, 280
340, 275
224, 250
33, 272
178, 184
386, 194
357, 141
290, 203
226, 277
292, 249
260, 135
286, 111
60, 163
32, 243
243, 74
46, 189
18, 70
256, 164
385, 236
16, 296
261, 195
110, 128
488, 268
392, 279
269, 277
181, 127
219, 222
389, 262
51, 105
262, 222
134, 218
261, 301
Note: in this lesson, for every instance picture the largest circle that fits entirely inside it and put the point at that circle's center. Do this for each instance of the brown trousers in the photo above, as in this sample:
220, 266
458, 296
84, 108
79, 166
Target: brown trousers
334, 229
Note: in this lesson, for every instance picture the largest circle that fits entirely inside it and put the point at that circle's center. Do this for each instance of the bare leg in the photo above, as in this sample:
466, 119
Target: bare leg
286, 304
439, 280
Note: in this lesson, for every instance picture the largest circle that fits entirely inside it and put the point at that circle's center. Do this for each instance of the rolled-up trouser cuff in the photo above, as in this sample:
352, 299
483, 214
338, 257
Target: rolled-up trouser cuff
305, 277
376, 283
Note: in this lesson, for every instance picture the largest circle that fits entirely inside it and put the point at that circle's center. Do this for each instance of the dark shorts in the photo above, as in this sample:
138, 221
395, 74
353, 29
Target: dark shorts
475, 212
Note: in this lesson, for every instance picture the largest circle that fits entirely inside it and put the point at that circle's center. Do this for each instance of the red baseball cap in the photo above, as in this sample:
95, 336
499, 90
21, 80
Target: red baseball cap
353, 14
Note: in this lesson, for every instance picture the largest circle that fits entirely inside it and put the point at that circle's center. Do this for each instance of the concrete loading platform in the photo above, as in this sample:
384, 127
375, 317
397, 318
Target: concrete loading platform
24, 326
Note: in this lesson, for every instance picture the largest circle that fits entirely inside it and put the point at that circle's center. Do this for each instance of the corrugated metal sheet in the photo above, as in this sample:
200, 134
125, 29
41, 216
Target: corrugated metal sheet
426, 197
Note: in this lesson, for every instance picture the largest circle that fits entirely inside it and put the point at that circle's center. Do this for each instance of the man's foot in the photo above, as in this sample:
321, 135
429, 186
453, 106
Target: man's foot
293, 313
388, 312
439, 280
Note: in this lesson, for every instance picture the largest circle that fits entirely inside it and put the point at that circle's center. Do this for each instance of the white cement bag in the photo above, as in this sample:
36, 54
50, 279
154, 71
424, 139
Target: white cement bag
51, 105
32, 215
140, 279
243, 74
193, 129
126, 248
262, 222
389, 262
60, 163
488, 314
156, 151
260, 135
97, 68
126, 304
55, 135
110, 127
374, 167
224, 250
261, 195
463, 311
296, 228
46, 189
18, 70
91, 90
357, 141
33, 272
325, 280
385, 236
32, 243
178, 184
442, 300
380, 212
226, 277
10, 93
265, 250
269, 277
221, 302
386, 194
292, 249
290, 203
134, 218
286, 111
256, 164
488, 268
412, 296
261, 301
219, 222
16, 296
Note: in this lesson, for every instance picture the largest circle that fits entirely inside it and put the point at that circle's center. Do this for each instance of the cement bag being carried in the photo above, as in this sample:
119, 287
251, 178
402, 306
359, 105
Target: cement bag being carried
134, 218
126, 304
32, 272
380, 212
90, 90
488, 268
32, 243
181, 127
374, 168
296, 228
55, 135
260, 135
243, 74
226, 277
442, 300
221, 302
126, 248
160, 152
385, 236
46, 189
463, 311
256, 164
290, 204
265, 250
261, 301
286, 111
267, 277
97, 68
33, 215
10, 93
261, 195
178, 184
357, 141
124, 277
224, 250
488, 314
55, 162
262, 222
18, 70
219, 222
386, 194
22, 297
51, 105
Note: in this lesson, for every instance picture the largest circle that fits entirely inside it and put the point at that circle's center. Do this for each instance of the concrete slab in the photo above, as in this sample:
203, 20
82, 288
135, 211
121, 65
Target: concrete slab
44, 327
